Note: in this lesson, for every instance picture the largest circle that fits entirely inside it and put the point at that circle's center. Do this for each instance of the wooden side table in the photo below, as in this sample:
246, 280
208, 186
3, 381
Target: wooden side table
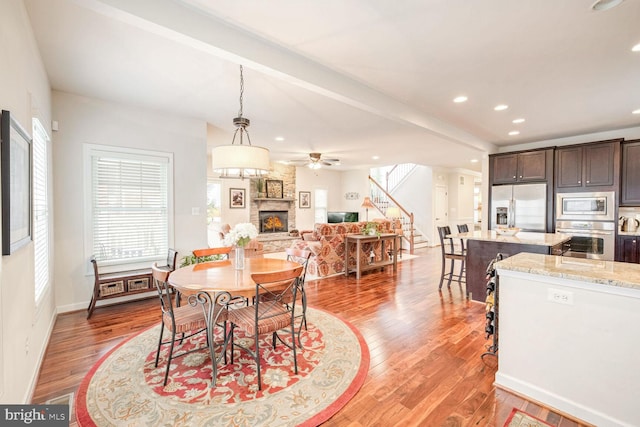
358, 240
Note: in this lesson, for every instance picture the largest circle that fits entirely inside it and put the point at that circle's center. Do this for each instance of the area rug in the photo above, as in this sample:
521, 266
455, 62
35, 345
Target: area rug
518, 418
124, 388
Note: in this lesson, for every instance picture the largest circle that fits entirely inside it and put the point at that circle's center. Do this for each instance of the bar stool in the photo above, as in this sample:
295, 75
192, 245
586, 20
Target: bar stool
450, 253
463, 228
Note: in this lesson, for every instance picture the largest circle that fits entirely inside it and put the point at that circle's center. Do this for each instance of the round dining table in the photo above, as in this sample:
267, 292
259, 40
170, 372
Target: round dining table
221, 276
216, 285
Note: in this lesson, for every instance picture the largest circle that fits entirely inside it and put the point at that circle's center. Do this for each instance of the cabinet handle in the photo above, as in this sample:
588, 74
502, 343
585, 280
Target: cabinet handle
588, 182
579, 182
514, 177
520, 176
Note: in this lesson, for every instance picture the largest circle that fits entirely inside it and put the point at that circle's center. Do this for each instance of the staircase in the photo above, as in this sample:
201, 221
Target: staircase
382, 200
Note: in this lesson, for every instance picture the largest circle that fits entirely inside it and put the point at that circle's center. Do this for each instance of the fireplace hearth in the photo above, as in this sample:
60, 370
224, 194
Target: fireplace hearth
273, 221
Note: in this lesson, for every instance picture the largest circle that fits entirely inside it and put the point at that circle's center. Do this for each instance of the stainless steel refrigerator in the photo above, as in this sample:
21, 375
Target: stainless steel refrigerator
523, 206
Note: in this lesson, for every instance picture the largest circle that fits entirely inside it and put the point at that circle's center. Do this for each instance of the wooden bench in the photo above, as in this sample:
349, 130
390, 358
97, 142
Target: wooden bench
123, 283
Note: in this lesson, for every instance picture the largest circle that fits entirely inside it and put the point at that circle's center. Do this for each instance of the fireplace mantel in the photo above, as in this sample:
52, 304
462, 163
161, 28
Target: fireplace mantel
273, 199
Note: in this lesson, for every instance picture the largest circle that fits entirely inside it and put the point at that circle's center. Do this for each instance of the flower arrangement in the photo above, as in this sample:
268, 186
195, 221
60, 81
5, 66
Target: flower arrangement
241, 234
371, 229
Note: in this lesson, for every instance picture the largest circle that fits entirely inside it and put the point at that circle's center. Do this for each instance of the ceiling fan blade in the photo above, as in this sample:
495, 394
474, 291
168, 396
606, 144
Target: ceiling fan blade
326, 163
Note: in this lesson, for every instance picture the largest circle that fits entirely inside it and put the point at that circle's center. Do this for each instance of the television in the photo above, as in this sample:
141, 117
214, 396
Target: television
333, 217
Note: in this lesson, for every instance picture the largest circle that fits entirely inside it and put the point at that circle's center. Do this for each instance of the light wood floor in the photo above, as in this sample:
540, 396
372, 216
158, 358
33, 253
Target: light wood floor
425, 349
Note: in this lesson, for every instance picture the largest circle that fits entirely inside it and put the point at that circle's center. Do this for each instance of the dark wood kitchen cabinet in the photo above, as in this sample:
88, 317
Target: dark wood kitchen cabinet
628, 249
585, 166
630, 182
527, 166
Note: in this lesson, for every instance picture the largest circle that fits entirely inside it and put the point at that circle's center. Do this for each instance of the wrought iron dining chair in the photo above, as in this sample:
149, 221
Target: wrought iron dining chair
268, 315
302, 257
185, 321
450, 253
208, 254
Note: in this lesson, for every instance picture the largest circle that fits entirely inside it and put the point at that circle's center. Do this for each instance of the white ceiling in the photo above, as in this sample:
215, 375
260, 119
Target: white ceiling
356, 78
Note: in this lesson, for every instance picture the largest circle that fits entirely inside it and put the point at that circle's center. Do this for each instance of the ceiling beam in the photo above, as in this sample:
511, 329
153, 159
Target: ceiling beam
196, 29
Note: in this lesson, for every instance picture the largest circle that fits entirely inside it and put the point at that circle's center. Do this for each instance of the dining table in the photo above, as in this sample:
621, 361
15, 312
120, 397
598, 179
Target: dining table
217, 285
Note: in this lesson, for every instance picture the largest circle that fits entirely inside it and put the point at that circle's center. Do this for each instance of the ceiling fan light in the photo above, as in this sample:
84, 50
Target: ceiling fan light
315, 165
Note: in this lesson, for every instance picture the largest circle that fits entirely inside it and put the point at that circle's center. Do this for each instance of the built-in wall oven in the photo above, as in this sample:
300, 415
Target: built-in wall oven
589, 239
589, 218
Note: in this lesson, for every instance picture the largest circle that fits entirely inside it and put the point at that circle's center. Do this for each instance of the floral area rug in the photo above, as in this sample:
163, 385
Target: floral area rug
124, 387
518, 418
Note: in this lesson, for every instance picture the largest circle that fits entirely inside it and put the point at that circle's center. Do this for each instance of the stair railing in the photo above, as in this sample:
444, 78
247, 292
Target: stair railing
396, 175
382, 200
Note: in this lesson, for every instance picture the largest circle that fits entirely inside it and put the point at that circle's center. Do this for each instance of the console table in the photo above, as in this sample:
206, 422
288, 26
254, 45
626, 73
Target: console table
385, 259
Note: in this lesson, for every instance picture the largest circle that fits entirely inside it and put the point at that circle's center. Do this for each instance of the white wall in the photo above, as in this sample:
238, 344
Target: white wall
84, 120
415, 194
310, 180
24, 329
461, 187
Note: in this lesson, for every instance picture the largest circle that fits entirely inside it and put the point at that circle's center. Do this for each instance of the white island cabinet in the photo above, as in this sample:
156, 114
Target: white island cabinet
569, 335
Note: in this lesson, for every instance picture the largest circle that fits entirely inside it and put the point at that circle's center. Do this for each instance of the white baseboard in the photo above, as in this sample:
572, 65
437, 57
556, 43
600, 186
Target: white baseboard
557, 402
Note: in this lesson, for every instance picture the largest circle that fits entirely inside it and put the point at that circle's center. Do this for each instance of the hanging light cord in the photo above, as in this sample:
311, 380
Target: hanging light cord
241, 91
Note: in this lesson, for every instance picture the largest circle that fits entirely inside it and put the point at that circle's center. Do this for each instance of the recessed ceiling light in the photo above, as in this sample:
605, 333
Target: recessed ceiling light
501, 107
279, 138
514, 132
605, 4
474, 160
375, 157
636, 48
516, 121
460, 99
636, 111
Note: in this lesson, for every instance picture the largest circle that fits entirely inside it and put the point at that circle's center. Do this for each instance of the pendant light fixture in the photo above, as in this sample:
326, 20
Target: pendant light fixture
240, 160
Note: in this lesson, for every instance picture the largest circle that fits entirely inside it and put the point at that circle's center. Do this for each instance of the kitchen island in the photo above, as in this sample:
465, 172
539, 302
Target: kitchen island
568, 335
483, 246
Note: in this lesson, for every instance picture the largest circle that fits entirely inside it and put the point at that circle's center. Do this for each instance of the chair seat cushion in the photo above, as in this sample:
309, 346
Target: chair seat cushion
190, 318
279, 318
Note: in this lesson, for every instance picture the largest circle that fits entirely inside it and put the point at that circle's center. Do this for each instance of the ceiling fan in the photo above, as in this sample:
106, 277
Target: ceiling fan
315, 161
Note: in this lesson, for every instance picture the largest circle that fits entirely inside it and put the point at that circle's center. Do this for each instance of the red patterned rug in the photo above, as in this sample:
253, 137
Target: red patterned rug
519, 418
124, 387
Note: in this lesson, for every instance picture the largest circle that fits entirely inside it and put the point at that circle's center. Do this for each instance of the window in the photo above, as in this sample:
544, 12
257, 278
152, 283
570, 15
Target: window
40, 210
129, 205
214, 212
320, 205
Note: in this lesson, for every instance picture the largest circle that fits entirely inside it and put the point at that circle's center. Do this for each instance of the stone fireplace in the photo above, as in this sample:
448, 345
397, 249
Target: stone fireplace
274, 217
273, 221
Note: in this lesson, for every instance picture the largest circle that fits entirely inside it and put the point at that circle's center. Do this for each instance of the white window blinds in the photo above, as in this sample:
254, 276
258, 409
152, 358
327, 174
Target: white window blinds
130, 207
40, 210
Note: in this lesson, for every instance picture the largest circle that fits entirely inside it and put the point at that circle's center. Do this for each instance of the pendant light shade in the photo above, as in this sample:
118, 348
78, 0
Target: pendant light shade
240, 160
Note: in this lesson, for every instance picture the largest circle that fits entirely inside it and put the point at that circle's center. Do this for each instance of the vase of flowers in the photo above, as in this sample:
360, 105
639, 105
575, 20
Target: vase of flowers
370, 229
239, 236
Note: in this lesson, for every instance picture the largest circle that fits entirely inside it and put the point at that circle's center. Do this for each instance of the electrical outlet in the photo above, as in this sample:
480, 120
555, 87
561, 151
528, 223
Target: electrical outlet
26, 345
561, 297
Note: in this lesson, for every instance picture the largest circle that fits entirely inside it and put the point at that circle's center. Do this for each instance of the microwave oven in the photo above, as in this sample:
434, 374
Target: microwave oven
597, 206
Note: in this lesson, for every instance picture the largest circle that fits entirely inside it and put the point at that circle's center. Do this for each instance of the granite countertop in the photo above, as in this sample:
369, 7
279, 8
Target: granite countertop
629, 233
610, 273
523, 237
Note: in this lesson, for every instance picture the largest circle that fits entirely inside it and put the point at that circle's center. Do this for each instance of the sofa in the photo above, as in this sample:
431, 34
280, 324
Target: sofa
326, 244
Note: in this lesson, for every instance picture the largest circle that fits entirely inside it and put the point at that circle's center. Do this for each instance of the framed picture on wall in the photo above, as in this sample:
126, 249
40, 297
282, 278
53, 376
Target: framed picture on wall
236, 198
304, 199
274, 188
16, 184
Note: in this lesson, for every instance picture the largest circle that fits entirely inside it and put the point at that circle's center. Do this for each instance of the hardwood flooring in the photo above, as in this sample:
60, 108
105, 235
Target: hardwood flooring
425, 349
